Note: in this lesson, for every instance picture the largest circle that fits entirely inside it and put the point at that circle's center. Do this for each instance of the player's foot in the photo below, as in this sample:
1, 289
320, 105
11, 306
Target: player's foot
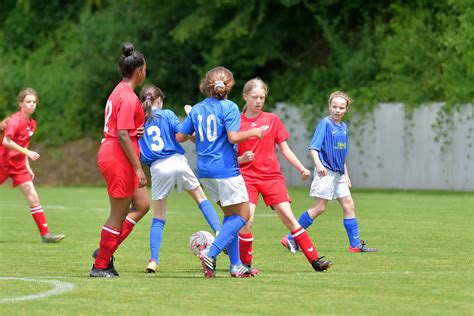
52, 238
289, 244
208, 264
101, 273
253, 272
151, 267
241, 271
362, 248
111, 266
321, 265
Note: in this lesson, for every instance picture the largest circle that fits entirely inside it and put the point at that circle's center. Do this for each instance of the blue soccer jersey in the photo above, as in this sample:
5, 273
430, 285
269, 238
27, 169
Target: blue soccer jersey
211, 119
159, 139
330, 140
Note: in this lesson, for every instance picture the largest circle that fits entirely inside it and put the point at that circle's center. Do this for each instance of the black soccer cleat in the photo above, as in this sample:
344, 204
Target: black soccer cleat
321, 265
110, 267
100, 273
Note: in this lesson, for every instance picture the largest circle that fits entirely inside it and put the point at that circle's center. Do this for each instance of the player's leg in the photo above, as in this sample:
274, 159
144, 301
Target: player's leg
206, 207
301, 237
156, 233
29, 191
110, 235
352, 227
245, 234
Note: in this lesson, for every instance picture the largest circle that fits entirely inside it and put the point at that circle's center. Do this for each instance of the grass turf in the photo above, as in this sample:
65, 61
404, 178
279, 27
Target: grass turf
425, 263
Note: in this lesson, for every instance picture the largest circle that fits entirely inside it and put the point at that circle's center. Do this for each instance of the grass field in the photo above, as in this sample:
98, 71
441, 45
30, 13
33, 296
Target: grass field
425, 263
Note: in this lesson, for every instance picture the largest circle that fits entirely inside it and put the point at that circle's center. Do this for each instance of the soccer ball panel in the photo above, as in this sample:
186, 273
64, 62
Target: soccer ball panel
199, 241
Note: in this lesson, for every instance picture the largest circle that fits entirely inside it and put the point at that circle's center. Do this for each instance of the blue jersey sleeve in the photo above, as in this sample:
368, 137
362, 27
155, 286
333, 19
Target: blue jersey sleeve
318, 136
187, 127
232, 118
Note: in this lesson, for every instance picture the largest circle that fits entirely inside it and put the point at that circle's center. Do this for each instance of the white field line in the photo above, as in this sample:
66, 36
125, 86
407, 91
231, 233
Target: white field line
59, 288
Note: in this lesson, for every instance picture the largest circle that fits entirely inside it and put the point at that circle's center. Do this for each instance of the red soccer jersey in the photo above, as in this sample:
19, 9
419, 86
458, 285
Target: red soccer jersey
123, 111
20, 130
265, 165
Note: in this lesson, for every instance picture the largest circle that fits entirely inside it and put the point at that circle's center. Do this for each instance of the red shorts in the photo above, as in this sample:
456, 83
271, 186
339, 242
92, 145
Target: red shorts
18, 176
273, 192
117, 170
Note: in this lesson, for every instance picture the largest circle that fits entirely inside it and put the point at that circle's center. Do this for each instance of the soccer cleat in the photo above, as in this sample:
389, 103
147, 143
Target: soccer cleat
208, 264
152, 267
253, 272
362, 248
99, 273
289, 244
321, 265
52, 238
242, 271
110, 267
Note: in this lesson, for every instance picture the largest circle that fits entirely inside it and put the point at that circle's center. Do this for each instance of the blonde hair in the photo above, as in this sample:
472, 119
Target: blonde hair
23, 93
252, 84
340, 94
217, 83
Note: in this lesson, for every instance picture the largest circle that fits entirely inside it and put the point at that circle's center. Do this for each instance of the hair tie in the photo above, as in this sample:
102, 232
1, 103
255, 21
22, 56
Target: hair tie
148, 98
219, 84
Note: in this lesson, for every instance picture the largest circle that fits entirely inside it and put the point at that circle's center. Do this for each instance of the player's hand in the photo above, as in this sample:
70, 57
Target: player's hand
258, 132
187, 108
32, 174
141, 177
33, 155
322, 171
348, 180
247, 157
140, 131
305, 173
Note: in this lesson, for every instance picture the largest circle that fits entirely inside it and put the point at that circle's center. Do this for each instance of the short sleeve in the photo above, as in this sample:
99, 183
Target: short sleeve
174, 122
12, 126
126, 112
318, 137
187, 127
232, 118
281, 134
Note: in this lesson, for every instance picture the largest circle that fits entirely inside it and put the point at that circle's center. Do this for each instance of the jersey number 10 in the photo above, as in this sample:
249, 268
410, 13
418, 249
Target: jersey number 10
211, 128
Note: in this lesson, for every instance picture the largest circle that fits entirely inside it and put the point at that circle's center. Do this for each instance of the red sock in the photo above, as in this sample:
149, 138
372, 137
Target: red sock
127, 227
305, 244
245, 247
40, 219
108, 244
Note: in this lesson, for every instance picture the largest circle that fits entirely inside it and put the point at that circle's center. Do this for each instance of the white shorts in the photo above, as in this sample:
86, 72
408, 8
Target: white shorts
330, 187
227, 191
171, 171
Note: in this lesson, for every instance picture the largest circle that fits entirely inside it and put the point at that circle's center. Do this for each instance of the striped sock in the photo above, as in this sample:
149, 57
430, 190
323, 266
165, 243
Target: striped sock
40, 219
246, 251
108, 244
127, 227
305, 244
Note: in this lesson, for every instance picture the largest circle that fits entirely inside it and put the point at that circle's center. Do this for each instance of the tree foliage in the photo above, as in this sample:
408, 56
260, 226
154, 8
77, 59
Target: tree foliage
413, 52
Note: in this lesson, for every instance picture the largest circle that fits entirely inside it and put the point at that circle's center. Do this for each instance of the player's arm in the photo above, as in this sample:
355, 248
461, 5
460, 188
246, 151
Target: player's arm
10, 144
320, 169
346, 174
238, 137
293, 160
127, 147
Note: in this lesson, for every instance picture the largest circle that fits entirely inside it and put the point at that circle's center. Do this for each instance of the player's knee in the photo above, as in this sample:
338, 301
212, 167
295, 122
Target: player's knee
33, 199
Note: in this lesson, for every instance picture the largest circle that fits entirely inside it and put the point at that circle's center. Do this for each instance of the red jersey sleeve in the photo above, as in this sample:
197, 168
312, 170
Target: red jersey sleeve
281, 134
12, 127
125, 112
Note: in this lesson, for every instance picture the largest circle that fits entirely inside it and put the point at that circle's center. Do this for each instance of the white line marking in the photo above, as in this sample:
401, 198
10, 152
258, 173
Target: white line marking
59, 288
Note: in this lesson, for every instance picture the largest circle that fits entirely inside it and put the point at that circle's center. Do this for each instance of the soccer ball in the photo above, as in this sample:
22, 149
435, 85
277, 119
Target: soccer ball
200, 240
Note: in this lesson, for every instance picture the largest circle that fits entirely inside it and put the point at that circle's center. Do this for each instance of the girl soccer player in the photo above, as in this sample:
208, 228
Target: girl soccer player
261, 171
328, 149
216, 121
17, 131
119, 161
160, 150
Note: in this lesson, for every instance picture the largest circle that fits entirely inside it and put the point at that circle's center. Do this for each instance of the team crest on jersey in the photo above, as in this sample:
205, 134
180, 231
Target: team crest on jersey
253, 124
265, 127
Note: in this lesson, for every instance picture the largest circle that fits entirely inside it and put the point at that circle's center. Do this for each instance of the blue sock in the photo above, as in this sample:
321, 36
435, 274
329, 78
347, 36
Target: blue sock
352, 229
233, 248
210, 215
156, 234
229, 230
305, 221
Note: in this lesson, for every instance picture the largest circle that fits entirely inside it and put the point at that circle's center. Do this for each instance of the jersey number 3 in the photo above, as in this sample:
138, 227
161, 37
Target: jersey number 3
155, 133
211, 128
